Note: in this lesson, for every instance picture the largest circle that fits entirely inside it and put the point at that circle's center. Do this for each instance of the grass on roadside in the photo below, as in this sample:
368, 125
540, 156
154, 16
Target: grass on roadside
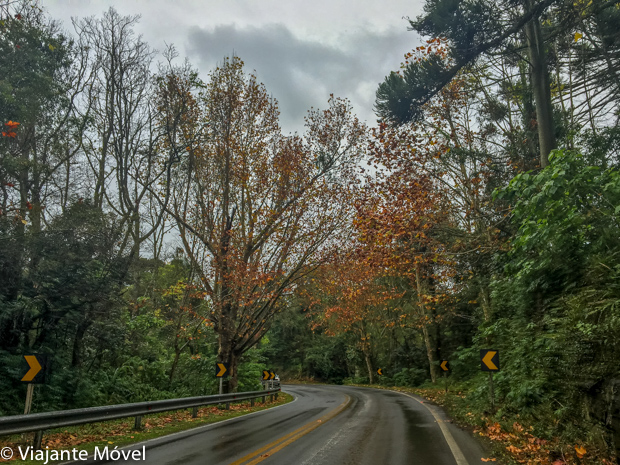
304, 381
120, 432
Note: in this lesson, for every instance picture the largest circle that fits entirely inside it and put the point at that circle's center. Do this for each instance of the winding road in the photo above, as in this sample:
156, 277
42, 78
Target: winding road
325, 425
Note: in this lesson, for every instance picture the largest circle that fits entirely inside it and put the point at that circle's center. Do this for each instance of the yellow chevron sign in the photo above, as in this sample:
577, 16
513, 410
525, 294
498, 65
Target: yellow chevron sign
221, 369
444, 365
36, 369
489, 360
265, 375
380, 371
34, 365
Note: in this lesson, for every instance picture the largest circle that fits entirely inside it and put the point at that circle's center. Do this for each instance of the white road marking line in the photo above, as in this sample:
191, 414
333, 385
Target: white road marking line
454, 447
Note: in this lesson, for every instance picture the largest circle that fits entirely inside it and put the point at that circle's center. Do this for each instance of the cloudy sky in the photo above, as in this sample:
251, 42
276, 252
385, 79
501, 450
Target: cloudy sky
301, 50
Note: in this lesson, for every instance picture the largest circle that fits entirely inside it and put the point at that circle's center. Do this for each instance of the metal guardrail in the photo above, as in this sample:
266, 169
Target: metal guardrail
15, 424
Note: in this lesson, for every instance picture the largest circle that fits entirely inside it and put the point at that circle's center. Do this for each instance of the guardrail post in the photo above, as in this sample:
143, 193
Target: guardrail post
276, 396
271, 397
38, 439
137, 425
227, 405
195, 412
252, 402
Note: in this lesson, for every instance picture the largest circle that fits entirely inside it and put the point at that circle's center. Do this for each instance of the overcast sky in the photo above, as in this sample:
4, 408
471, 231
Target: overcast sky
301, 50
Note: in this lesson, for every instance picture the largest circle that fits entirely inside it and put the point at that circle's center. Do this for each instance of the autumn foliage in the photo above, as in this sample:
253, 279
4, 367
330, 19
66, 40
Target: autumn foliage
10, 132
396, 272
256, 210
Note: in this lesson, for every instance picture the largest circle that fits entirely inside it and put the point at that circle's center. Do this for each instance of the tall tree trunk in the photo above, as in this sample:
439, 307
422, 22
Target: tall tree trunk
485, 302
226, 326
76, 359
540, 88
175, 363
527, 115
371, 374
227, 354
430, 348
430, 353
233, 380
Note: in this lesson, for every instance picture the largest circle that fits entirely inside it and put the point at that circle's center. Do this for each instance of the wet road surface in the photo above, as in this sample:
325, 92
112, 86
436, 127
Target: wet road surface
325, 425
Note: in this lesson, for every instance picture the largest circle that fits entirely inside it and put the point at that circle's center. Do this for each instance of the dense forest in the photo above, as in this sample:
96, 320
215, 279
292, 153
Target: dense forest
153, 221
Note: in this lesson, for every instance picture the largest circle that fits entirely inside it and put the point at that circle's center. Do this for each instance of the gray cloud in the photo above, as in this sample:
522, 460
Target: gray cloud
302, 51
302, 72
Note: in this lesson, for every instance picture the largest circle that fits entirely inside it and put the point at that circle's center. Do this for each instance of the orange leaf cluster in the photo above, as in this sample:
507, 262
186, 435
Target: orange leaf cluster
11, 125
436, 46
398, 212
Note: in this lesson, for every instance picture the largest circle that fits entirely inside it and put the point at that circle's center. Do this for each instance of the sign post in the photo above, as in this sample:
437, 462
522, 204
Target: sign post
29, 394
445, 366
266, 376
35, 373
221, 370
489, 361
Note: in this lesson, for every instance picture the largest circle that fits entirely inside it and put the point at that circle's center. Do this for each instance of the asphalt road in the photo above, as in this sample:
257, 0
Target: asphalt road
325, 425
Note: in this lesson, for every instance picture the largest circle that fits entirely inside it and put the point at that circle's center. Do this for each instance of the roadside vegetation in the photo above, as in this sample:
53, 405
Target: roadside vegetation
489, 220
151, 220
510, 439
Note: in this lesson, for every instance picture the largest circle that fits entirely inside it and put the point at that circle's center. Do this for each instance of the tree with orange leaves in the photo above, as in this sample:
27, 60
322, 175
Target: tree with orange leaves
409, 248
396, 272
256, 211
358, 302
400, 215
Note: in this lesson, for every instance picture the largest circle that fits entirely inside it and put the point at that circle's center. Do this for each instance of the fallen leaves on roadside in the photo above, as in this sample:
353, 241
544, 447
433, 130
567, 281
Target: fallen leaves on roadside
117, 431
526, 448
517, 439
580, 451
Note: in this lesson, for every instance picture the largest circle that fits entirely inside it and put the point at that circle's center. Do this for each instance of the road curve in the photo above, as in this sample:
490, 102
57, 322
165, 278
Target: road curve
325, 425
